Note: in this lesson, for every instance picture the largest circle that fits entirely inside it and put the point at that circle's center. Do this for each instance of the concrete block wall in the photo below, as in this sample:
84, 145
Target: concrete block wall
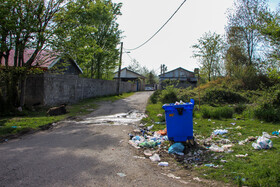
61, 89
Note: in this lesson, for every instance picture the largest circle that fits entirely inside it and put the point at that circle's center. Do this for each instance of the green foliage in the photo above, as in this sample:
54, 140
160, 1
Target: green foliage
217, 112
209, 51
222, 96
152, 111
88, 31
186, 94
168, 95
239, 108
268, 108
155, 96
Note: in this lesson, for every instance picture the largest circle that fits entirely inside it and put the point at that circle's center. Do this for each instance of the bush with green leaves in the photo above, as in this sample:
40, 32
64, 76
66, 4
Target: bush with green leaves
187, 94
222, 96
269, 106
239, 108
217, 112
168, 95
155, 96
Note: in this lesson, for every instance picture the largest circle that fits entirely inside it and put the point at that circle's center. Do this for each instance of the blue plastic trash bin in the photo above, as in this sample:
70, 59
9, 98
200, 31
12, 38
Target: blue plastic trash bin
179, 121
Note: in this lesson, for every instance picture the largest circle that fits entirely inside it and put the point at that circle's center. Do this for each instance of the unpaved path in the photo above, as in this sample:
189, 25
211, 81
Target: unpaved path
85, 153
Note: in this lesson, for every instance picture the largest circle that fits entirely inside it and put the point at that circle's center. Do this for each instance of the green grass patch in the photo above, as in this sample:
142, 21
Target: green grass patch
34, 119
155, 116
259, 168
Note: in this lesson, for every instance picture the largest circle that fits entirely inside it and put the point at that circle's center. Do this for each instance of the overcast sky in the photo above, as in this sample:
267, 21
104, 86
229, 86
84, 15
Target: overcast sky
171, 46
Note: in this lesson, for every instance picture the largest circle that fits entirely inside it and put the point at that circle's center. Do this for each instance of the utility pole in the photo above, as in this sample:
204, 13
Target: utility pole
196, 71
119, 72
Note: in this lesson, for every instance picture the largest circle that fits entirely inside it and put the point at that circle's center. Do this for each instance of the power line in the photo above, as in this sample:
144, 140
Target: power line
159, 28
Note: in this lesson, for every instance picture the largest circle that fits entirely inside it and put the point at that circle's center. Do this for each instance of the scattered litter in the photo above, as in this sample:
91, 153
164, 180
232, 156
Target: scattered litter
197, 179
163, 164
241, 156
239, 134
233, 124
142, 125
148, 152
263, 143
139, 157
226, 147
266, 135
224, 141
212, 165
223, 161
238, 127
162, 132
176, 148
159, 115
121, 174
159, 123
149, 144
209, 119
155, 158
220, 131
229, 151
171, 175
276, 133
136, 138
137, 131
209, 165
179, 103
150, 127
130, 136
135, 145
216, 148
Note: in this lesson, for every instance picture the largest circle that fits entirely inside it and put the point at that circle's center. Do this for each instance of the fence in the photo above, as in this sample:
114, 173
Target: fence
50, 89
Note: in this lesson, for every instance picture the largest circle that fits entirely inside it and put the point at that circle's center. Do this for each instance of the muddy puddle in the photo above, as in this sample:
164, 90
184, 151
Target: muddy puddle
129, 118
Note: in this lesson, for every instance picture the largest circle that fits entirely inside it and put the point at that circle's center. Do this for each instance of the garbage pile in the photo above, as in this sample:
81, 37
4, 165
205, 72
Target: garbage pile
147, 139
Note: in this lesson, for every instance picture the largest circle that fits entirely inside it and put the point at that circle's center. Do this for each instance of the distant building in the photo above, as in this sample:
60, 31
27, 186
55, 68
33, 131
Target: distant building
48, 61
128, 75
180, 78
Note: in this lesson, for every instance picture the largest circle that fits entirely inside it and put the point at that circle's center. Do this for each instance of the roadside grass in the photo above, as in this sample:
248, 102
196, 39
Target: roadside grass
259, 168
152, 111
32, 120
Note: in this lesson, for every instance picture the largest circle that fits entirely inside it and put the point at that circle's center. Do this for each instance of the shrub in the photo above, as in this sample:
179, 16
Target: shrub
187, 94
169, 95
269, 106
267, 113
239, 108
222, 96
155, 96
217, 112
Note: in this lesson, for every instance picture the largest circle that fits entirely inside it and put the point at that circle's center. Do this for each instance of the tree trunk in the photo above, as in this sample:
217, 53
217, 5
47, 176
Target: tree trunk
22, 91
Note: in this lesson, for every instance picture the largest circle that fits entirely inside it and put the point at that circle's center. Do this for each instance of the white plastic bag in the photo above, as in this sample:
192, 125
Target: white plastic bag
216, 148
155, 158
263, 143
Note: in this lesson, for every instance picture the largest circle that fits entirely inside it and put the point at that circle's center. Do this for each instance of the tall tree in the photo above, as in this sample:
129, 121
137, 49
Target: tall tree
24, 25
242, 18
209, 51
88, 31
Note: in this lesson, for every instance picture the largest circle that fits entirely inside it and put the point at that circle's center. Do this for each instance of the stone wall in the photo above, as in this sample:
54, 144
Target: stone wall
51, 89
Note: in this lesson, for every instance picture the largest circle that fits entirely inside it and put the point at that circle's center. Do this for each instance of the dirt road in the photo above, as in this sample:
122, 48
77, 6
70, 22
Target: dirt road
92, 151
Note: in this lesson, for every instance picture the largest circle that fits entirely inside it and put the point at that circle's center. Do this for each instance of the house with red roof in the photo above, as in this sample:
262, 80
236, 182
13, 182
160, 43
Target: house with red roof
47, 60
